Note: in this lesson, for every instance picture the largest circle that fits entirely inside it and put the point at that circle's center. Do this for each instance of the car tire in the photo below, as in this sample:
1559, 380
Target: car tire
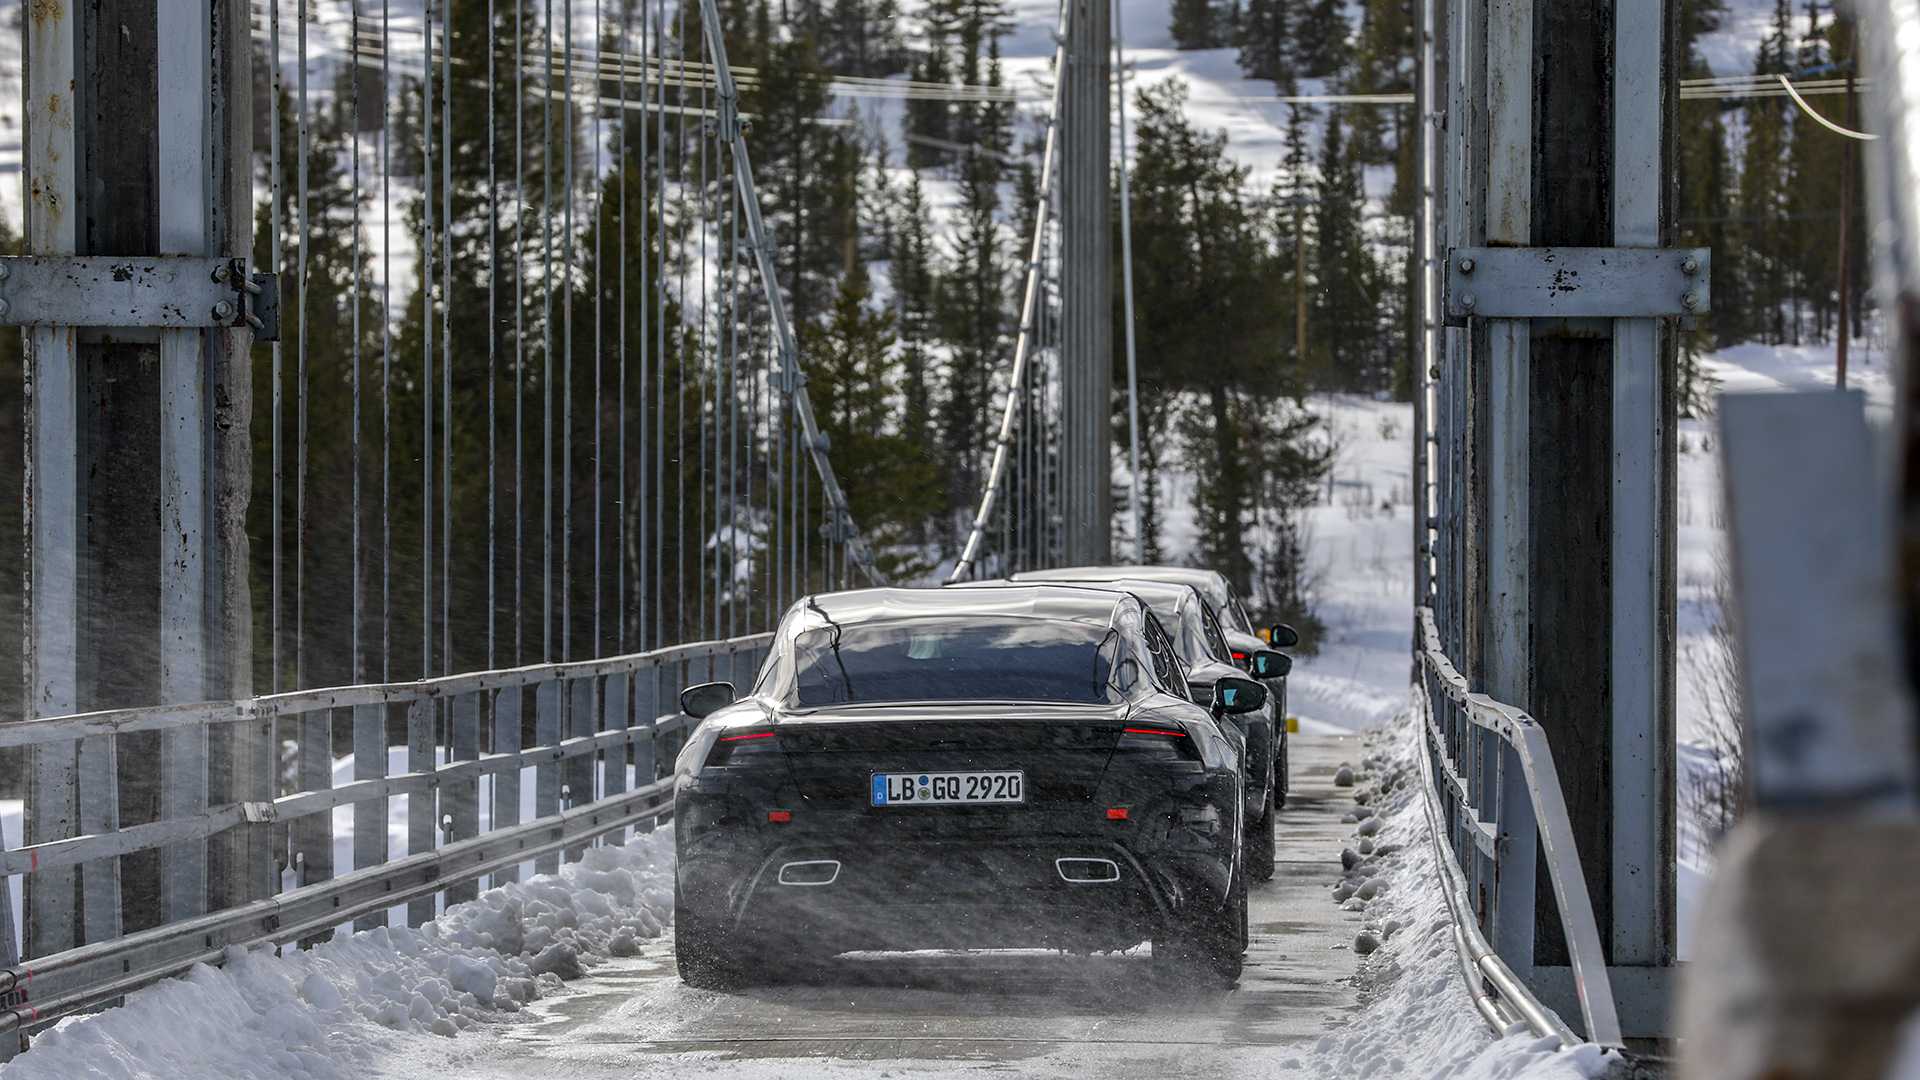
707, 954
1280, 776
1260, 847
1211, 948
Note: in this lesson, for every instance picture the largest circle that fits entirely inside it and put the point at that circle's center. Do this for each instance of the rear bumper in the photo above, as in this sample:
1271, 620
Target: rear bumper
835, 891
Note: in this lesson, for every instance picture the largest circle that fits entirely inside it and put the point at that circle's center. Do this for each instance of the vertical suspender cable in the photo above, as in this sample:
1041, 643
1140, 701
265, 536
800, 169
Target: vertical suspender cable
300, 447
353, 124
426, 357
660, 325
733, 545
702, 372
493, 335
566, 343
643, 557
446, 340
620, 445
546, 343
682, 344
386, 349
519, 329
996, 475
277, 256
599, 319
1126, 277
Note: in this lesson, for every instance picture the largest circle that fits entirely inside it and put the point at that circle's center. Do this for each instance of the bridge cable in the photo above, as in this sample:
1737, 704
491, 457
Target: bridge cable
970, 554
840, 516
1126, 273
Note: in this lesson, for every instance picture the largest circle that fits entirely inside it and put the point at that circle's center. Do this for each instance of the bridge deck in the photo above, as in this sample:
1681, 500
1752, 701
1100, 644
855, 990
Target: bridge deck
1042, 1014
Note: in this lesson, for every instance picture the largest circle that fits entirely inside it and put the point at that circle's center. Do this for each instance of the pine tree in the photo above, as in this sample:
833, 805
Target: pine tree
1266, 39
973, 301
1347, 296
916, 290
1763, 187
1210, 335
326, 252
1382, 63
1195, 25
1320, 45
853, 376
1704, 204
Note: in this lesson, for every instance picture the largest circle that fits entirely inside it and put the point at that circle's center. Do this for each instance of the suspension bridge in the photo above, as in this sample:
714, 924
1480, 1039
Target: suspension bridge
496, 628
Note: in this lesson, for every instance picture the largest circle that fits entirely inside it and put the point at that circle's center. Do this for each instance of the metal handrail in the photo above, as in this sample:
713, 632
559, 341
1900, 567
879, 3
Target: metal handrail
69, 981
1545, 807
36, 991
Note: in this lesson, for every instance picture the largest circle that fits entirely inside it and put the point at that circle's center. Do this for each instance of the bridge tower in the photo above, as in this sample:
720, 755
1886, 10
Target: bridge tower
1087, 285
1552, 402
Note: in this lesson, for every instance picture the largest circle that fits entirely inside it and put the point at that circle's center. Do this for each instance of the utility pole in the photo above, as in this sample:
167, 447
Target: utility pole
1087, 286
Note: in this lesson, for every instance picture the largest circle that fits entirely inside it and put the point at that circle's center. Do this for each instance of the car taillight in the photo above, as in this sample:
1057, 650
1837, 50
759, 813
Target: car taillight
742, 744
1157, 742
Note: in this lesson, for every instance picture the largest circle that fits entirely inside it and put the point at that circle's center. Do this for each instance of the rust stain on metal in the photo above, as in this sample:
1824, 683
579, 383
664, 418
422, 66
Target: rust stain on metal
44, 11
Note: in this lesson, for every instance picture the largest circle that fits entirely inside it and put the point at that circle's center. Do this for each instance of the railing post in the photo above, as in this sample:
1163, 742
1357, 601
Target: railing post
422, 815
582, 718
1514, 884
370, 815
462, 797
313, 834
546, 784
506, 783
646, 708
616, 711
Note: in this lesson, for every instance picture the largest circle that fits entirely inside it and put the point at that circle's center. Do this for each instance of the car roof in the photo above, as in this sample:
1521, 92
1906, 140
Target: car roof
1211, 581
1064, 603
1147, 590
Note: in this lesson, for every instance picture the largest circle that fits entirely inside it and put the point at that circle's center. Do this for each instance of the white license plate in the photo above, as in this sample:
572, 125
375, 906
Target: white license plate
949, 788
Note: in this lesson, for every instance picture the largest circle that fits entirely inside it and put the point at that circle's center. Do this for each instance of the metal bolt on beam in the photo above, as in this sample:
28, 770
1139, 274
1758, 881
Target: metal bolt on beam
1466, 266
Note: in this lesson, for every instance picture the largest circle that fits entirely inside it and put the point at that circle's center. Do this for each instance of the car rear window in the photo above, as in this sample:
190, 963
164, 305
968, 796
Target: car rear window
952, 660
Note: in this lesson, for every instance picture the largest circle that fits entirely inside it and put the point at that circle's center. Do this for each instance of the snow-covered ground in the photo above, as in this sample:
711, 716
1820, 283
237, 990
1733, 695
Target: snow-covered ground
1417, 1020
343, 1007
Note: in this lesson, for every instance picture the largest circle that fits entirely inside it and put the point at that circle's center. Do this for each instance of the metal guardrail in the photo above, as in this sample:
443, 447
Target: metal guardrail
1491, 795
591, 721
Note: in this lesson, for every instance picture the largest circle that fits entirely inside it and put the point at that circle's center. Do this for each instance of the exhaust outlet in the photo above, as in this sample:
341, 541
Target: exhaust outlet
810, 872
1087, 871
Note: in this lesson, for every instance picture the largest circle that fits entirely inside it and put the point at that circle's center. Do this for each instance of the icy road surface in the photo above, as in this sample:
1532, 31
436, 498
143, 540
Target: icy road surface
934, 1014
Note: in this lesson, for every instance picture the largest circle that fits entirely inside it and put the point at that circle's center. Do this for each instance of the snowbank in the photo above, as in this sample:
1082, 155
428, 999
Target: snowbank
335, 1010
1418, 1020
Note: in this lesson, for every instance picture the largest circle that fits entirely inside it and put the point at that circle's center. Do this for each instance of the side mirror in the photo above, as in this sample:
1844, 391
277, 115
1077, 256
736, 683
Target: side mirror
1233, 695
706, 699
1282, 636
1268, 664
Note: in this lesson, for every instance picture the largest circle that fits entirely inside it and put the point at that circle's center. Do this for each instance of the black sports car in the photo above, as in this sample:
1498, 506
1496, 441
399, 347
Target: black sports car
1244, 645
1205, 658
1017, 767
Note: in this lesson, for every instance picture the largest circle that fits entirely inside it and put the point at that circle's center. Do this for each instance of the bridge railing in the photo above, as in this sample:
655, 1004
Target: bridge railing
598, 739
1493, 800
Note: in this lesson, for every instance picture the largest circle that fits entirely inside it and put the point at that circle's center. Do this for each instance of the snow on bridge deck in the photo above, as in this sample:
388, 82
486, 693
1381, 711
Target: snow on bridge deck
1030, 1014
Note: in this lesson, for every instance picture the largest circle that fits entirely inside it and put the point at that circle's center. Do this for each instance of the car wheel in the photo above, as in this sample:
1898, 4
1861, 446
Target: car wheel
1260, 847
707, 955
1210, 949
1280, 776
